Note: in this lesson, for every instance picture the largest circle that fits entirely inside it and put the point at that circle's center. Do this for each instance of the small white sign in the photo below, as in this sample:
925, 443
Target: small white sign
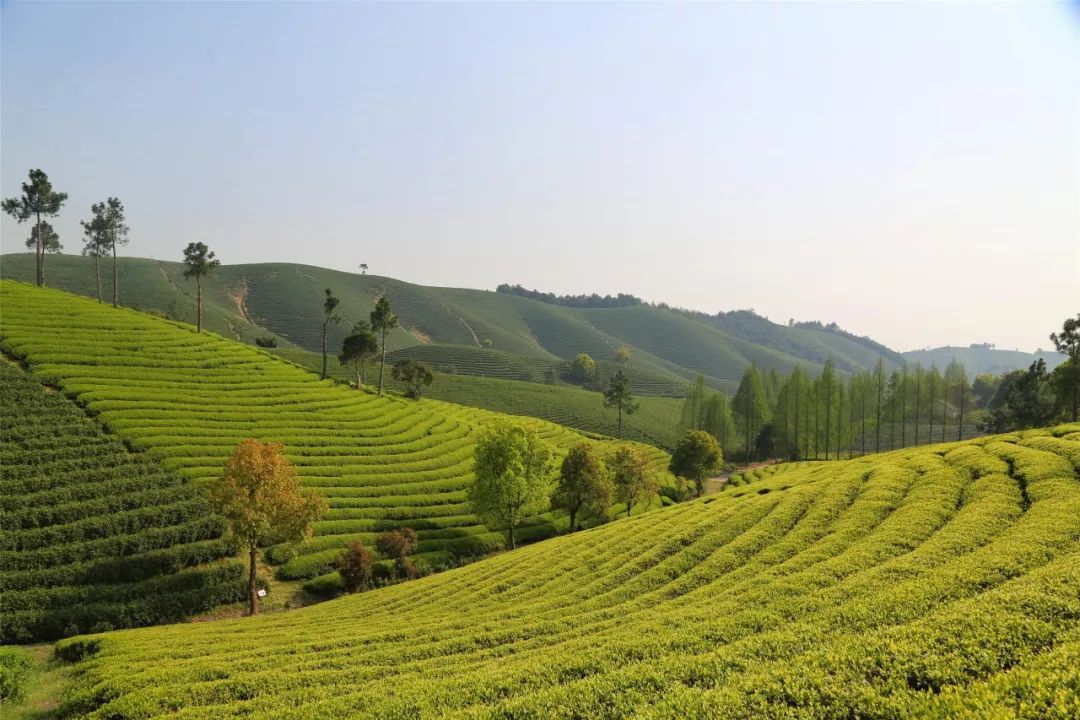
261, 593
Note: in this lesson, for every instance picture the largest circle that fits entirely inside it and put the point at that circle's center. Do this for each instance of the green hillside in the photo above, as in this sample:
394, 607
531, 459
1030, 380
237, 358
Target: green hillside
942, 581
978, 360
190, 398
669, 347
95, 536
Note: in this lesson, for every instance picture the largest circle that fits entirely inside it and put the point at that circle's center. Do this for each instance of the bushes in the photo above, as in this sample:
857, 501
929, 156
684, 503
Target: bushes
15, 665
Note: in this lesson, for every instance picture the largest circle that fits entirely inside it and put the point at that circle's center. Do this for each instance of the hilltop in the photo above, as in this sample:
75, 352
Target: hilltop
932, 582
979, 359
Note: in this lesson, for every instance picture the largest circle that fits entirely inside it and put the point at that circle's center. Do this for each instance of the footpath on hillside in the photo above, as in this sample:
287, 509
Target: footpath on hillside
716, 484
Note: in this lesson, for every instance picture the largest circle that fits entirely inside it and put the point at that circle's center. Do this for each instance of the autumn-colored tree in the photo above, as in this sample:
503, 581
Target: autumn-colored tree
584, 485
259, 495
629, 469
356, 566
398, 545
623, 354
696, 457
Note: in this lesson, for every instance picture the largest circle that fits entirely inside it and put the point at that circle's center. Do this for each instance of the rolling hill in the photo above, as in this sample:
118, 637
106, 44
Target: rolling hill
669, 347
977, 360
188, 399
942, 581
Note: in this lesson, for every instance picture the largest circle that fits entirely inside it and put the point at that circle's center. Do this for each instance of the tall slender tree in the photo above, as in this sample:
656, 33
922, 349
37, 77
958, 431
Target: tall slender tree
116, 235
199, 262
95, 244
330, 316
43, 240
383, 319
1068, 342
918, 400
617, 395
38, 200
828, 385
879, 397
751, 409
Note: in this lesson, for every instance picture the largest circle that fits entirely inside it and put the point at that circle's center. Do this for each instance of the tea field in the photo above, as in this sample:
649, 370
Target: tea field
189, 398
94, 536
942, 581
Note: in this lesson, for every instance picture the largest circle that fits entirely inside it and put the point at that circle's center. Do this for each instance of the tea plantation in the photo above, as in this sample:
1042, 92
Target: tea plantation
95, 536
189, 398
942, 581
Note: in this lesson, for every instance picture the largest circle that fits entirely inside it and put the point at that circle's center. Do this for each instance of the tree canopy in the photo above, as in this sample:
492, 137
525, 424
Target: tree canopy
414, 375
696, 457
584, 485
629, 468
38, 200
199, 261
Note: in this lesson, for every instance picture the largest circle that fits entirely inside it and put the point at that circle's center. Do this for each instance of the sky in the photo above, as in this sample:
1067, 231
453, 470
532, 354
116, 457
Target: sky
909, 171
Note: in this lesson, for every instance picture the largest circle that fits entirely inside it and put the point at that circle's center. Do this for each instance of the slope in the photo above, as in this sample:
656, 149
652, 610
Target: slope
935, 582
189, 398
978, 360
95, 536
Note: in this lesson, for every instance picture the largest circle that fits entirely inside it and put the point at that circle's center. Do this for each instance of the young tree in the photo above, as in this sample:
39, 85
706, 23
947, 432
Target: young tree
383, 319
1068, 342
584, 485
513, 471
629, 469
617, 395
751, 410
356, 566
95, 244
363, 268
956, 380
696, 457
1023, 400
199, 262
330, 316
116, 235
717, 420
622, 355
414, 375
693, 409
880, 384
43, 239
356, 348
398, 545
984, 388
38, 200
259, 495
583, 368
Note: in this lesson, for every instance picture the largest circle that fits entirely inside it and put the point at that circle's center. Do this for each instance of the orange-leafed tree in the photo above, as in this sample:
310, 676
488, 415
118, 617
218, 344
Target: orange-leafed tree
259, 494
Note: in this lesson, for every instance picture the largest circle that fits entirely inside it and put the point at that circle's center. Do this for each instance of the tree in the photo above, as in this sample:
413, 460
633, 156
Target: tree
617, 395
880, 384
513, 470
259, 495
95, 244
629, 469
956, 383
1024, 399
584, 485
751, 410
1068, 342
984, 388
357, 347
330, 316
583, 368
115, 235
693, 409
414, 375
696, 457
198, 263
623, 354
398, 545
383, 319
363, 268
43, 239
356, 566
38, 200
717, 419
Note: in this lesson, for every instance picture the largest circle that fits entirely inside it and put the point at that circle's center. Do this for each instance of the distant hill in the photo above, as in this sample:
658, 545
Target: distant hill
979, 359
466, 331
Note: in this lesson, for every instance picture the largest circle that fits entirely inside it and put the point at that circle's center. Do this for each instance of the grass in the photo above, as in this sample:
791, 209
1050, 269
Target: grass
47, 680
188, 399
940, 581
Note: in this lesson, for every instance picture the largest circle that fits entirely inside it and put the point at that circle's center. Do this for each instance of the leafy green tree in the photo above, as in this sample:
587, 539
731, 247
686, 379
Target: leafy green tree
959, 393
584, 485
95, 244
38, 200
984, 388
43, 240
414, 375
383, 319
1024, 399
1068, 342
356, 566
356, 348
583, 368
330, 316
199, 262
629, 469
260, 497
717, 420
696, 457
880, 386
693, 409
617, 395
623, 354
115, 235
751, 409
513, 473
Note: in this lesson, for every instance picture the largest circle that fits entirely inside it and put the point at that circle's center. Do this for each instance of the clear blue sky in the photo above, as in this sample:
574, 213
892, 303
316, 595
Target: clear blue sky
911, 171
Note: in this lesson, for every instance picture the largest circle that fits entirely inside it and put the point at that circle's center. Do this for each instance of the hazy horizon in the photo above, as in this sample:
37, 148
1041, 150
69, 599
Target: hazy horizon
910, 172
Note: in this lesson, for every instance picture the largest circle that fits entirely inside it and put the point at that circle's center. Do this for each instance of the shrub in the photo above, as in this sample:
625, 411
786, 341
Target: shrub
355, 567
15, 664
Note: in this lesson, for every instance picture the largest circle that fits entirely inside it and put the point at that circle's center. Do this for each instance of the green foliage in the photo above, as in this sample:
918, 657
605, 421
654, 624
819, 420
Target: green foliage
1068, 342
1024, 399
583, 368
93, 533
513, 476
912, 584
38, 200
357, 347
199, 262
629, 469
44, 236
618, 395
355, 567
15, 664
584, 486
414, 376
382, 320
751, 409
697, 457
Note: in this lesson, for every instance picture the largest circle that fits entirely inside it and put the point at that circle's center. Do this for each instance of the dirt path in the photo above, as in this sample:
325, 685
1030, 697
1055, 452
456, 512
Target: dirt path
716, 484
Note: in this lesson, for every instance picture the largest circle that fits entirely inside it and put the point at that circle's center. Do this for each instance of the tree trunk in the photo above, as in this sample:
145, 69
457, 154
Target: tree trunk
620, 419
359, 379
39, 272
198, 303
97, 273
114, 275
324, 350
382, 368
960, 420
573, 519
253, 592
629, 504
510, 537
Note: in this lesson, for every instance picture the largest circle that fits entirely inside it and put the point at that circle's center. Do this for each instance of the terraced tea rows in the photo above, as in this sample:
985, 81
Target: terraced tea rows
95, 536
190, 398
937, 582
